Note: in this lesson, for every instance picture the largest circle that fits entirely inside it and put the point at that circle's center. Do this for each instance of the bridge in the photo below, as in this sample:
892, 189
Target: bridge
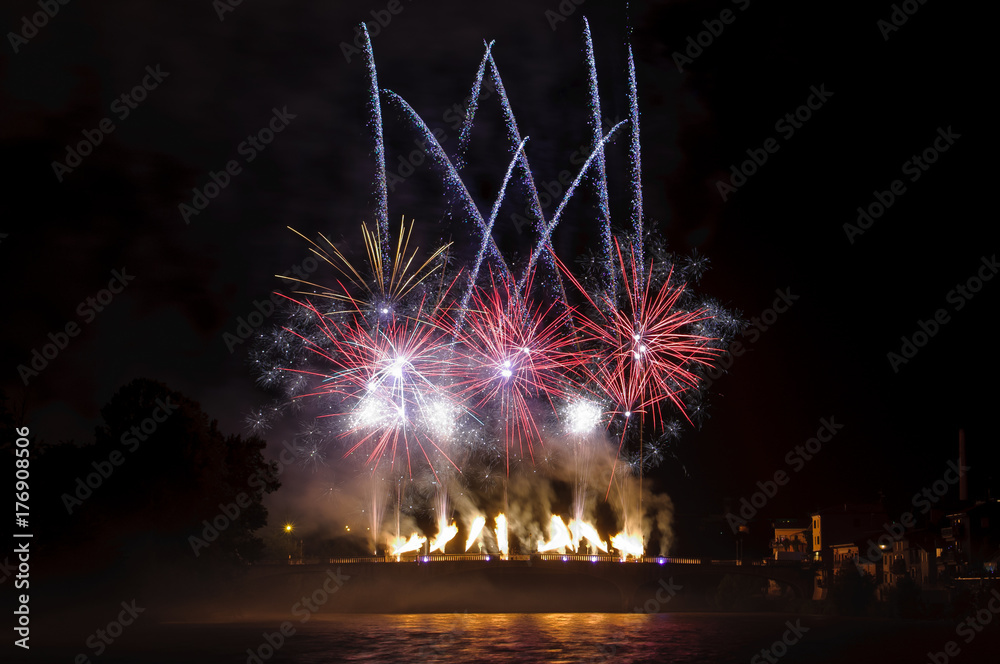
517, 583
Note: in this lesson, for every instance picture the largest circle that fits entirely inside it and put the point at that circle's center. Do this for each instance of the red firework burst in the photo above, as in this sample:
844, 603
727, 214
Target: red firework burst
515, 353
645, 350
390, 374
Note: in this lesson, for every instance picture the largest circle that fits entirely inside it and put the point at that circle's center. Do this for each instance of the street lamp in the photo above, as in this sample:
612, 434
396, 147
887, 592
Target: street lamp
289, 527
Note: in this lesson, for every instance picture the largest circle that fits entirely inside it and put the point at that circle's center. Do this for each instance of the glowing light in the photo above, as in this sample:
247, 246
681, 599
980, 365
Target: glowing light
474, 531
401, 545
559, 536
501, 530
440, 417
582, 417
628, 545
446, 533
581, 530
397, 367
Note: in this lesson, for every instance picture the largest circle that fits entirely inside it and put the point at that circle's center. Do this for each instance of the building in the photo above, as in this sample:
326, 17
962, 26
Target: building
971, 543
848, 554
791, 540
914, 556
847, 525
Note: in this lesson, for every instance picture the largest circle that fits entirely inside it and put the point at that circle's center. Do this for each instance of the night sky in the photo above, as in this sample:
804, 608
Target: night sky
888, 99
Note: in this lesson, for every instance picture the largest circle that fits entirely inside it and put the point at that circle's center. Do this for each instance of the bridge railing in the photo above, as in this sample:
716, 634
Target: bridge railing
524, 557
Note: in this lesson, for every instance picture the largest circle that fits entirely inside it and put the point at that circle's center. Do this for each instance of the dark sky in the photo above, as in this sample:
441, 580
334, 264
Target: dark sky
782, 230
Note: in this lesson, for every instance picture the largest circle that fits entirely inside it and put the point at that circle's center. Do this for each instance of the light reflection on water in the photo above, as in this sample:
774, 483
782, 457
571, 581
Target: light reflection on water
526, 638
560, 638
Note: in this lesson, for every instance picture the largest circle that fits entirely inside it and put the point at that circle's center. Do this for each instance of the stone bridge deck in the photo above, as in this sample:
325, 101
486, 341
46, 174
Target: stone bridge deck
485, 583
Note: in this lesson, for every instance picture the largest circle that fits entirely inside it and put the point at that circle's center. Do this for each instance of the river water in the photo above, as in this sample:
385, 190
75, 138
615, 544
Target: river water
595, 638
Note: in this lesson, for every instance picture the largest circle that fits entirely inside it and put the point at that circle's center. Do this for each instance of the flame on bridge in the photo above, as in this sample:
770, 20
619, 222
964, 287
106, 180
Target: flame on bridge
577, 536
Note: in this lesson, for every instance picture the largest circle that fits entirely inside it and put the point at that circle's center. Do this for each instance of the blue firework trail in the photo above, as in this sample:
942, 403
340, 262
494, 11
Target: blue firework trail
527, 181
381, 183
600, 172
635, 160
465, 133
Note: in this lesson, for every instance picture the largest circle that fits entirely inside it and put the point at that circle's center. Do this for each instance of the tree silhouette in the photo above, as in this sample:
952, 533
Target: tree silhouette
158, 470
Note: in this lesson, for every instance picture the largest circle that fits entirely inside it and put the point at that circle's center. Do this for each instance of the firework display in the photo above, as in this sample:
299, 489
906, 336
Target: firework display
466, 384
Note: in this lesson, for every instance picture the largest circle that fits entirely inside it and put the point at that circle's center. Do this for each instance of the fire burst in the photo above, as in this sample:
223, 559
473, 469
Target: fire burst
387, 282
387, 376
646, 354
